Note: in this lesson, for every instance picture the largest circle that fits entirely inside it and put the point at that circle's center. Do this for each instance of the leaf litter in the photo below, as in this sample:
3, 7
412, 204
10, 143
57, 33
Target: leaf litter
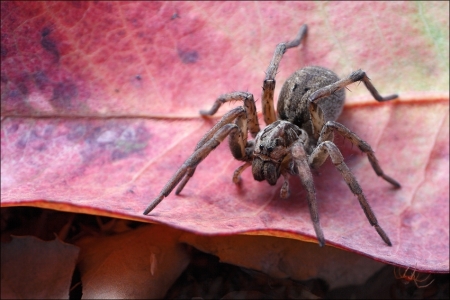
118, 258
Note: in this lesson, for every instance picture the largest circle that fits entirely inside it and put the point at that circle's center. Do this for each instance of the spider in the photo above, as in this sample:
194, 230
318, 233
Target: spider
406, 279
301, 138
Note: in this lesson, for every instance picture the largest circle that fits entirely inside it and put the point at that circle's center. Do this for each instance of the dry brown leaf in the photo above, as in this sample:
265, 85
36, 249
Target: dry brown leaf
141, 263
287, 258
36, 269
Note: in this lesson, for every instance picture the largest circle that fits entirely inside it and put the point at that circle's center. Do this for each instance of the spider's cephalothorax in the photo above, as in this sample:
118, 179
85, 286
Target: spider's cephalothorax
302, 138
272, 148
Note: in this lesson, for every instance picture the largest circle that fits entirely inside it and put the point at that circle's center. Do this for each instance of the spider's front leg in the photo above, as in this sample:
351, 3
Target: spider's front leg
249, 105
238, 140
240, 147
300, 159
269, 82
207, 144
320, 154
244, 117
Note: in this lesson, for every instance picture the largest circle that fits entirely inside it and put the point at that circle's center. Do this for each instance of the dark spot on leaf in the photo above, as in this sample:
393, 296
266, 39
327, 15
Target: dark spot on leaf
3, 51
45, 32
22, 88
15, 96
76, 133
175, 16
94, 132
40, 79
40, 147
48, 44
142, 134
4, 78
106, 141
48, 132
63, 95
13, 128
138, 77
135, 22
22, 142
188, 56
117, 154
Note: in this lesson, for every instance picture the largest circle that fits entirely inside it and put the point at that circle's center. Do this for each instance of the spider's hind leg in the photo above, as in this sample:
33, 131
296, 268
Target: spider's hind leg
358, 75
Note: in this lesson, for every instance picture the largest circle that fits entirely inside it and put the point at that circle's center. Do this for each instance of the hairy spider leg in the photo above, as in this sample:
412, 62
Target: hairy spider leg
238, 142
317, 158
221, 132
300, 159
249, 105
355, 76
331, 126
269, 82
237, 173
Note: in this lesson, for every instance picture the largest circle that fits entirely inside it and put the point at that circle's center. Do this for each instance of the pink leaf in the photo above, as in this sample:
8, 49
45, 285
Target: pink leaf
120, 84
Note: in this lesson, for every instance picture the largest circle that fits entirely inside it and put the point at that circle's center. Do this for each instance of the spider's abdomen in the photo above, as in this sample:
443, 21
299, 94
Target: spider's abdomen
293, 100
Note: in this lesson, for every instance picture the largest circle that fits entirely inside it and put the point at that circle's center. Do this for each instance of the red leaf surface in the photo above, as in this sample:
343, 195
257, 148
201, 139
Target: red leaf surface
100, 107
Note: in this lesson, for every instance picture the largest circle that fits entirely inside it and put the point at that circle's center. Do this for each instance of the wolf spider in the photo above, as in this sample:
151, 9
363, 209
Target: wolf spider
301, 138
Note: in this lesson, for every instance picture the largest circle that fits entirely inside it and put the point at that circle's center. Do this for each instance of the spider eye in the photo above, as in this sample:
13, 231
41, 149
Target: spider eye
261, 147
